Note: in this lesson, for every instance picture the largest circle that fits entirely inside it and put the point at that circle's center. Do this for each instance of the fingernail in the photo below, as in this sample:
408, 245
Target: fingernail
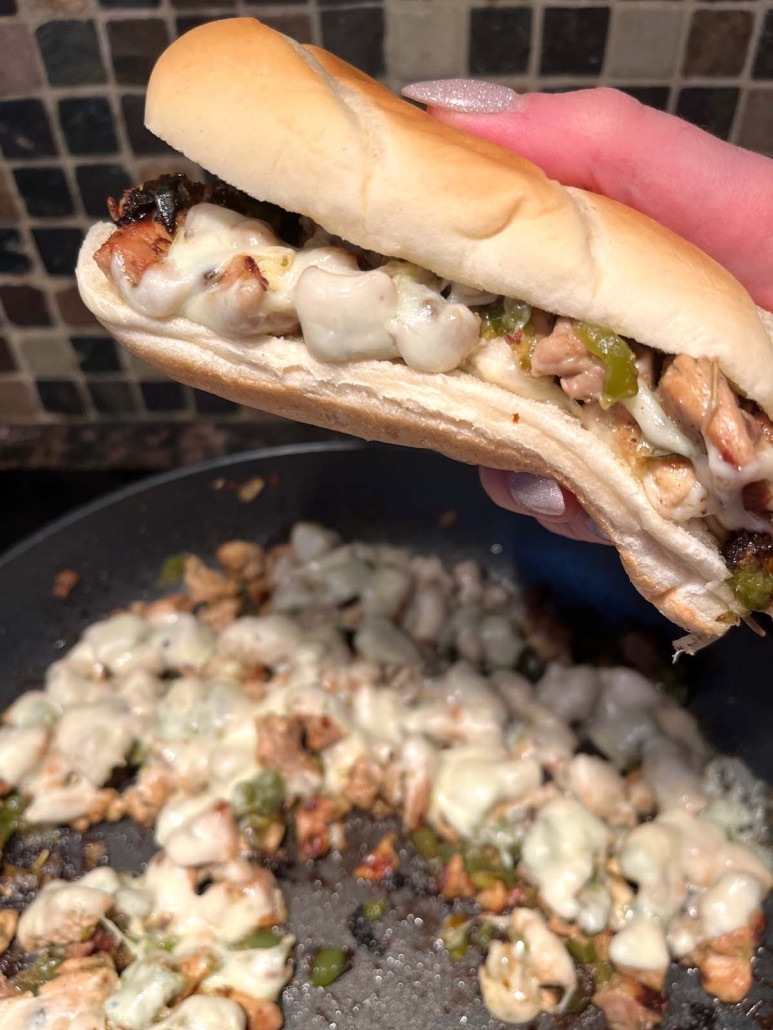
537, 493
596, 529
467, 95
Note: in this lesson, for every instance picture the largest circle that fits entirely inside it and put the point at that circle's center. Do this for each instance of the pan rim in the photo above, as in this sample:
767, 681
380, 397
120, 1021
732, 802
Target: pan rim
158, 479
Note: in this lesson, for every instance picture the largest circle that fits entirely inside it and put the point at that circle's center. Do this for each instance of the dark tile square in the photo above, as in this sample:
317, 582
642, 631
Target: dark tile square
7, 360
87, 124
712, 108
573, 40
96, 353
98, 182
60, 396
19, 72
45, 192
210, 404
186, 22
500, 39
112, 398
70, 52
135, 44
142, 141
296, 24
58, 249
24, 305
718, 42
763, 61
113, 4
13, 257
274, 3
162, 396
193, 5
7, 7
357, 36
72, 310
652, 96
25, 130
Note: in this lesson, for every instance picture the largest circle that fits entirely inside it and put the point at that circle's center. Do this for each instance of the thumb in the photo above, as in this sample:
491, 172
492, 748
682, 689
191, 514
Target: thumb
718, 196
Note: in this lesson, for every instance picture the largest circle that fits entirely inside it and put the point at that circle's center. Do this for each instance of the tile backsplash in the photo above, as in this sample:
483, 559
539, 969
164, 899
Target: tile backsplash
72, 74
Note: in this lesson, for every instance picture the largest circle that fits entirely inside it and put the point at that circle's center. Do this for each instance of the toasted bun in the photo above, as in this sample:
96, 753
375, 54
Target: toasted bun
297, 126
249, 105
679, 571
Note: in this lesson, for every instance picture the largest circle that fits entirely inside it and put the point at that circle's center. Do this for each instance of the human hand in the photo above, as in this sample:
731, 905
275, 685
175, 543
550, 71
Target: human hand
714, 194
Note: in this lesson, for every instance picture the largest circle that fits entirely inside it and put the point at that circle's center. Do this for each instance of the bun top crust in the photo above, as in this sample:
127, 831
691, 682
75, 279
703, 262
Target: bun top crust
297, 126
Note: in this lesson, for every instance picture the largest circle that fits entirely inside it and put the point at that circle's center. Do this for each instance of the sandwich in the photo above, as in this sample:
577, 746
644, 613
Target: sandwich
352, 263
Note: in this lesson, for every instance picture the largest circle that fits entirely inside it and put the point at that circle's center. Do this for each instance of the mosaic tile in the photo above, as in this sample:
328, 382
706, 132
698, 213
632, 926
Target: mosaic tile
141, 140
58, 249
19, 72
210, 404
712, 108
24, 305
44, 191
573, 40
644, 42
718, 42
135, 45
111, 398
48, 357
17, 400
763, 59
72, 310
163, 396
7, 360
61, 397
98, 182
70, 53
756, 129
96, 353
25, 130
500, 40
13, 256
357, 36
87, 124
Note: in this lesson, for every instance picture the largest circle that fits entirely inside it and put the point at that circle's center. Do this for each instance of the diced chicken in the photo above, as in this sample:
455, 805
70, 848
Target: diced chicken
629, 1005
699, 396
280, 746
314, 826
132, 249
61, 913
8, 921
381, 863
364, 782
206, 584
673, 489
262, 1014
242, 559
726, 962
563, 354
532, 974
319, 731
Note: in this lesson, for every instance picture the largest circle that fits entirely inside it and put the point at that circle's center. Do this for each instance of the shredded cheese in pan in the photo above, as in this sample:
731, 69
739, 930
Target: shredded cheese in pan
365, 675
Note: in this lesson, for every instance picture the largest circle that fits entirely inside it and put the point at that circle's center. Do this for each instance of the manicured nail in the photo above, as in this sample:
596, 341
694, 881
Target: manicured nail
536, 494
596, 529
467, 95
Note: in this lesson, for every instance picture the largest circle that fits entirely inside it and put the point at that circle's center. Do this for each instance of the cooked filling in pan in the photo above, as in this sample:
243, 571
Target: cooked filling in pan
246, 270
575, 814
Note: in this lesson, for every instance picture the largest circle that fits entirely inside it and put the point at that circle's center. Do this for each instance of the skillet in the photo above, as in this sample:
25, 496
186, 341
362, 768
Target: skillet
119, 544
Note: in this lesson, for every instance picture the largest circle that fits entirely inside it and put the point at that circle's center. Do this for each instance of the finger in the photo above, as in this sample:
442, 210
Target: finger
718, 196
553, 507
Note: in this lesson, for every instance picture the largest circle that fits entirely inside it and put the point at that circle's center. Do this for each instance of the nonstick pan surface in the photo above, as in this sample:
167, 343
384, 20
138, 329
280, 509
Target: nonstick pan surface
119, 545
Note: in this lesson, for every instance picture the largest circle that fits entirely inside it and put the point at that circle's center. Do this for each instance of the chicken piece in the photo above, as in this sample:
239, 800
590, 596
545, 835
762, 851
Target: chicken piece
364, 783
220, 614
563, 354
315, 826
262, 1014
131, 250
62, 913
242, 559
453, 881
725, 962
319, 731
147, 796
629, 1005
280, 747
696, 393
8, 921
205, 584
673, 489
534, 973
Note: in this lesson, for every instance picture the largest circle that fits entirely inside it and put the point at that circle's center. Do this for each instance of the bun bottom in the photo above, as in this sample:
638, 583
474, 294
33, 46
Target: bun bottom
676, 568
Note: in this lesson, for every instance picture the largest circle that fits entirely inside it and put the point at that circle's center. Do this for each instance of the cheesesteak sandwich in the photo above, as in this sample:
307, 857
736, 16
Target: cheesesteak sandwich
357, 265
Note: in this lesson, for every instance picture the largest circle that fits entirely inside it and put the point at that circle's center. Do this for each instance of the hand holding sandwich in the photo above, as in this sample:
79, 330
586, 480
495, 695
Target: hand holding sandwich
718, 196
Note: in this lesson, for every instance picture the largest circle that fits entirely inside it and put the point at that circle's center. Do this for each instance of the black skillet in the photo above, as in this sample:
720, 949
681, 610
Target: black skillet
401, 980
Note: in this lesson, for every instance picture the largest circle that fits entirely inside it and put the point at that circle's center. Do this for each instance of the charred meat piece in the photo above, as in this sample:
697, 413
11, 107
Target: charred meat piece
136, 247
